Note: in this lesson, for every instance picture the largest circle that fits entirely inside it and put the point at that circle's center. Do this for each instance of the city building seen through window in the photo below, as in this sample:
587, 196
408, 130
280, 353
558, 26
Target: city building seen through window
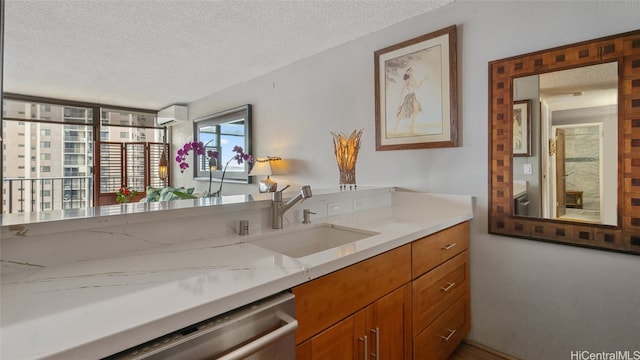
51, 161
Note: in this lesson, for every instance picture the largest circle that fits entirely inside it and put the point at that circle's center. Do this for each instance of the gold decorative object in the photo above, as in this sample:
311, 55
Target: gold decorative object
346, 150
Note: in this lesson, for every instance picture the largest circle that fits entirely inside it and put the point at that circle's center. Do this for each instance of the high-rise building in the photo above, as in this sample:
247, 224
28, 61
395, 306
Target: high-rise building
48, 154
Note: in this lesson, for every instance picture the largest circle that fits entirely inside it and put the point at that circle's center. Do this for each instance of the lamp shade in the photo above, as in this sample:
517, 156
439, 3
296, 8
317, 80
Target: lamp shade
261, 167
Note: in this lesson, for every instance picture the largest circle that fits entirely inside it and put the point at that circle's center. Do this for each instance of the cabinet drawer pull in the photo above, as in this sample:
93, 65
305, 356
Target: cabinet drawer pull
448, 287
448, 246
366, 346
377, 332
451, 332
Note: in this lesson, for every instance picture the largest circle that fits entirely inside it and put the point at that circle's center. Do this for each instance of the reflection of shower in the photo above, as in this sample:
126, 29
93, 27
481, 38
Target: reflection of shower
582, 162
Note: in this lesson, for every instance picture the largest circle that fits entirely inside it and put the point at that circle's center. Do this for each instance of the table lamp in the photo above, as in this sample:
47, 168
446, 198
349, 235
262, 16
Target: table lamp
262, 167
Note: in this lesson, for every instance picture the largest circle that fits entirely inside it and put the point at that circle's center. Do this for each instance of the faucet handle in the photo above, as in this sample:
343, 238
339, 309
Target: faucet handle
277, 195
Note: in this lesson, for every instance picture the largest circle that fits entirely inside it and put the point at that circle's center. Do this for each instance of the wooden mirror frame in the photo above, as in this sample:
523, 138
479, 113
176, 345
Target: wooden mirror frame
625, 237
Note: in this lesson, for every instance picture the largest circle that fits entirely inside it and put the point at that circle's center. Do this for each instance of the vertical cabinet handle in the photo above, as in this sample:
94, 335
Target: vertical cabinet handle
366, 346
451, 332
377, 332
448, 246
448, 287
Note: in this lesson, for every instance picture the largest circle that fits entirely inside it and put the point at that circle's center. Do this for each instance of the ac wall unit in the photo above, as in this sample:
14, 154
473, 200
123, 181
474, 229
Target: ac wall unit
172, 115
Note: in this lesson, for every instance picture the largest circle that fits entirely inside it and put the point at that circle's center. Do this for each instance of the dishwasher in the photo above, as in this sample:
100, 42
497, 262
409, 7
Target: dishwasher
263, 330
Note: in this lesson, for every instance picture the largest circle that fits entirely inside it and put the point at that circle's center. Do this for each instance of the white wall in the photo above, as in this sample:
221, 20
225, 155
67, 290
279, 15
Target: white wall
527, 88
530, 299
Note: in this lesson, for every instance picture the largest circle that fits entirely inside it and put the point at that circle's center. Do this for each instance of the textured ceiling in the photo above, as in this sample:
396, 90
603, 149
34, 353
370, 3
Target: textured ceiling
151, 54
583, 87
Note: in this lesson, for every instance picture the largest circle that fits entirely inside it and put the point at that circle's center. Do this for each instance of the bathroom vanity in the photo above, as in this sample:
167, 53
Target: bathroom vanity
95, 285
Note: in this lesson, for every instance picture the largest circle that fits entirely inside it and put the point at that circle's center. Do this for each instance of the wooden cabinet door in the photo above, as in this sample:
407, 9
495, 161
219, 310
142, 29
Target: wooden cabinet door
388, 326
342, 341
384, 324
324, 301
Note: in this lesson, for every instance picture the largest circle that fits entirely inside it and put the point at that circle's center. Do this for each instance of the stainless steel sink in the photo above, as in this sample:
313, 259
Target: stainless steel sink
311, 240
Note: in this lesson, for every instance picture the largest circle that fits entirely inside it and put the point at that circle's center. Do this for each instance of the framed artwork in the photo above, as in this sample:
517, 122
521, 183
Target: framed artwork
416, 93
522, 128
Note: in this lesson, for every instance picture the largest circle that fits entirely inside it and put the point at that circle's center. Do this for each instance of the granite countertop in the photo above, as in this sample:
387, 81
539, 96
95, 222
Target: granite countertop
94, 308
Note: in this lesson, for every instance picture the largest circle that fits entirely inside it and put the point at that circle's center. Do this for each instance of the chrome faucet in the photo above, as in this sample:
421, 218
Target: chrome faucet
278, 208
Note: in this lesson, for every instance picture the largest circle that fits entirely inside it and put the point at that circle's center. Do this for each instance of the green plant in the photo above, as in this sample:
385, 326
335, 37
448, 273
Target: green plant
124, 194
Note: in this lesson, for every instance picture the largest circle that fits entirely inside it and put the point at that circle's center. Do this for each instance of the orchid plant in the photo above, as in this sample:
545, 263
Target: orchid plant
200, 149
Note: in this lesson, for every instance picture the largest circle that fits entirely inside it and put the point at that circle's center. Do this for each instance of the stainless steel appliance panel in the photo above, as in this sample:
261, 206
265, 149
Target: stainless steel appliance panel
264, 330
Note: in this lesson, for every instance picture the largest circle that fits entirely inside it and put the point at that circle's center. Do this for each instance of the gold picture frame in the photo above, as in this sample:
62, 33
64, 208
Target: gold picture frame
416, 93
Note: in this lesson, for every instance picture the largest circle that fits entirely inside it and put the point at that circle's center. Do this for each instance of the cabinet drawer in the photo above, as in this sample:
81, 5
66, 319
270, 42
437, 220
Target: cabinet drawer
433, 250
434, 291
322, 302
440, 338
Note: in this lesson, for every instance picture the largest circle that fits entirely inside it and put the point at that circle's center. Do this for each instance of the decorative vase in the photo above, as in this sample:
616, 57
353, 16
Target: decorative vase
346, 151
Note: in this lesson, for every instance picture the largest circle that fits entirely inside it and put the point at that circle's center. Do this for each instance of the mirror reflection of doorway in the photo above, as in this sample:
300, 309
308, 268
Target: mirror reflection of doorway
561, 174
578, 170
583, 103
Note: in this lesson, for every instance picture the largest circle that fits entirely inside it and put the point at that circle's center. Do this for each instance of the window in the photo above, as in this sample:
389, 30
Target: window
222, 132
46, 193
73, 171
74, 148
76, 113
140, 163
68, 135
74, 159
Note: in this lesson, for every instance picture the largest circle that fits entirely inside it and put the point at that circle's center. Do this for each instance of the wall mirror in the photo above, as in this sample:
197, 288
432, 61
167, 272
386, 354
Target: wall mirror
565, 144
566, 122
221, 132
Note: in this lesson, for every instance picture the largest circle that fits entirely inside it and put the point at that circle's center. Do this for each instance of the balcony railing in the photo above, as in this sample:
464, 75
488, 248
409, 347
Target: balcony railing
44, 194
